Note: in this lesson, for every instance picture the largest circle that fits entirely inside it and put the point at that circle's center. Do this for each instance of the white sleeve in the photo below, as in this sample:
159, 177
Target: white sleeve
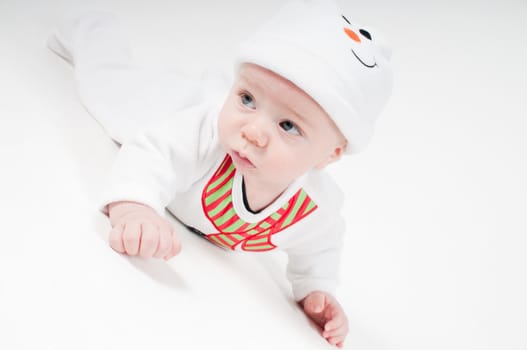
161, 161
314, 264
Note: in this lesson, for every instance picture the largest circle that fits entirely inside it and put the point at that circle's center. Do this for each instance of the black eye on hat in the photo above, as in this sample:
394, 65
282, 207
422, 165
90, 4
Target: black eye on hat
365, 33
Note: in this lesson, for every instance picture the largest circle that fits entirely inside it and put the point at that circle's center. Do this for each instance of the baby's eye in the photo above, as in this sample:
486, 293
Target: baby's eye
289, 127
247, 100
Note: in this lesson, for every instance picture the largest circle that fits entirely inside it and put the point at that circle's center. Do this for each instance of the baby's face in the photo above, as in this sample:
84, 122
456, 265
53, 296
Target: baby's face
274, 131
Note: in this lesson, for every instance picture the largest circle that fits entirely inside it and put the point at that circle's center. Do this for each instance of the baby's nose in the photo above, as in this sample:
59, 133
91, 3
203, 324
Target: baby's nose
254, 134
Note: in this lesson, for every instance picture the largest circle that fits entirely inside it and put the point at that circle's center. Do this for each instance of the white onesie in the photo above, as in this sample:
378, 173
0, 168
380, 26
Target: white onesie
175, 161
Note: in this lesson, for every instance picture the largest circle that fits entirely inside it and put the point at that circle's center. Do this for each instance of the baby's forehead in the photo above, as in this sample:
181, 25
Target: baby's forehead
264, 78
275, 87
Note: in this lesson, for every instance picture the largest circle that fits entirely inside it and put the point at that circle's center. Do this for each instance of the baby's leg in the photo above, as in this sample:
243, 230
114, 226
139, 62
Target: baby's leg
121, 96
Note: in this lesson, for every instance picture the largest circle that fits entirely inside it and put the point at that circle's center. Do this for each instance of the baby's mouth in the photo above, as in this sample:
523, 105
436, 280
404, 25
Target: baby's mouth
242, 160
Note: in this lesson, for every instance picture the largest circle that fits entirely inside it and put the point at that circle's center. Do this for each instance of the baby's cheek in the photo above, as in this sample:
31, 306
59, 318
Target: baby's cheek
222, 127
290, 167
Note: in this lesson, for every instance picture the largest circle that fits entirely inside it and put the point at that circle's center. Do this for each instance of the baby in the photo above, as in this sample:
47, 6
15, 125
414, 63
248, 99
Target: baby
243, 168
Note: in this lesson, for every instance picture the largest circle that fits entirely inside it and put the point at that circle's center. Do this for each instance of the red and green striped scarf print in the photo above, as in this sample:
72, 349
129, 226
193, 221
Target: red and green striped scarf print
217, 205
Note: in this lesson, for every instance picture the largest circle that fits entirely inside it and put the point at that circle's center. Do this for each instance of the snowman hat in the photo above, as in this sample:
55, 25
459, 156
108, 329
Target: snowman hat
343, 66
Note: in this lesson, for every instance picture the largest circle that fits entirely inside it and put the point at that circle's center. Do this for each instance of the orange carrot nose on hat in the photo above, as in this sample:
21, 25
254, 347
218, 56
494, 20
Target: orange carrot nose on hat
341, 65
352, 34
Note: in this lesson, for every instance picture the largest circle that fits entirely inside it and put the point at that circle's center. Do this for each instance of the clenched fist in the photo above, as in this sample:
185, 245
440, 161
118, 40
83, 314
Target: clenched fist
138, 230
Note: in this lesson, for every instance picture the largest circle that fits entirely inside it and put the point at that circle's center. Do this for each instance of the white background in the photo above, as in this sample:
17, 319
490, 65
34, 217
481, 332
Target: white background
435, 254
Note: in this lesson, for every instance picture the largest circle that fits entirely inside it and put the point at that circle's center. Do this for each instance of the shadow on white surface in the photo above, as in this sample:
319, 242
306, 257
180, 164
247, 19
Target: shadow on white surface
158, 271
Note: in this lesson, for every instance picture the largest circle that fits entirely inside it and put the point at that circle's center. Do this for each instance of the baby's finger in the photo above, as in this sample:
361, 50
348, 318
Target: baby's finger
335, 320
175, 246
116, 238
165, 243
131, 237
336, 341
149, 240
342, 330
314, 303
166, 233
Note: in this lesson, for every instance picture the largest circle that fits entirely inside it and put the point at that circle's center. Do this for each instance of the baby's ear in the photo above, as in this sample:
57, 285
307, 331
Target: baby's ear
333, 157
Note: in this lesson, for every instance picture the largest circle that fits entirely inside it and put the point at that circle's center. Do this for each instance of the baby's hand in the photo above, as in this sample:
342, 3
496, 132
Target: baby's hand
139, 230
327, 313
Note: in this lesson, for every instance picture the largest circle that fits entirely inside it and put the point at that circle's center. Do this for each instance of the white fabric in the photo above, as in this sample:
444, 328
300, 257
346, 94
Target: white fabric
170, 148
121, 95
306, 43
163, 167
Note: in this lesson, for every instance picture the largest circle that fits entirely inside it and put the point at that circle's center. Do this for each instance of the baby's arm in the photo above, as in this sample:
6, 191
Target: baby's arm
149, 171
138, 230
313, 272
